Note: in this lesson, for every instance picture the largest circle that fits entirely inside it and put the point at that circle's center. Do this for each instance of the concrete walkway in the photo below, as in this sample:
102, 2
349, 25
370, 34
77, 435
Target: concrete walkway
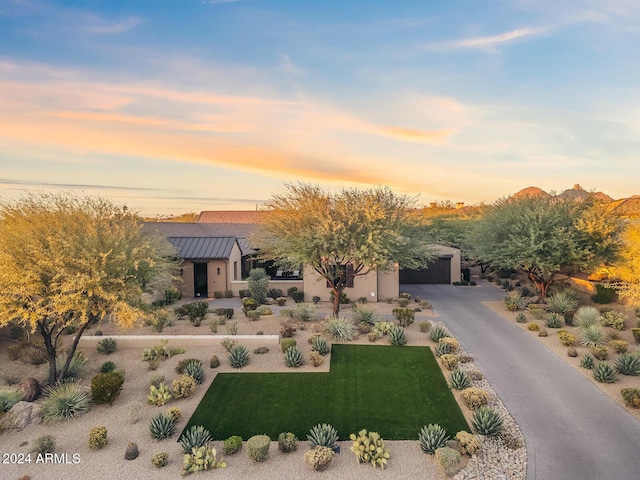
572, 429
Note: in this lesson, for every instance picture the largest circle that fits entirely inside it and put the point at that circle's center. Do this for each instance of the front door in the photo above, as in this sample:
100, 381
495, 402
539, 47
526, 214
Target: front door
200, 280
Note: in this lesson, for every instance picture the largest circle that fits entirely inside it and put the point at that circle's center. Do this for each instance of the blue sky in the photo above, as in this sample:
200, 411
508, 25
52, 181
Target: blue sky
177, 106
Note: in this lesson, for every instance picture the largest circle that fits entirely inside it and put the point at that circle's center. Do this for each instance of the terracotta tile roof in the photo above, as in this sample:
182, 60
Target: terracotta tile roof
232, 216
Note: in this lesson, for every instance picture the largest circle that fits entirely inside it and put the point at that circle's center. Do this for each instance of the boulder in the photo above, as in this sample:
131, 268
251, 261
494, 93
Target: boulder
542, 333
132, 451
30, 388
572, 352
21, 415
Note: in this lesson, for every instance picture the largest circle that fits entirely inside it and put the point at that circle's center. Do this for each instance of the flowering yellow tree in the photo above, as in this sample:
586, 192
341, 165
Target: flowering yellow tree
627, 268
66, 261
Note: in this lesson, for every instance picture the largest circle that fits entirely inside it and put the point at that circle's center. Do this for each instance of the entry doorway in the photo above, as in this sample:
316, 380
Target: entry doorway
200, 280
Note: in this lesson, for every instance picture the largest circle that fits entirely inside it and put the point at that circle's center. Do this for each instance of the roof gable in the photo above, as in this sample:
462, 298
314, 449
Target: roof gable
201, 248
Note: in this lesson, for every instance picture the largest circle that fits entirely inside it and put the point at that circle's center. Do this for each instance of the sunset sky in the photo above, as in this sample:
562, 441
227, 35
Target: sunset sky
191, 105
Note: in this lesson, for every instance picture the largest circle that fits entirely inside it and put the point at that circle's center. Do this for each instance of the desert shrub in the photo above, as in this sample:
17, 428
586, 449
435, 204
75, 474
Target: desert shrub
281, 301
298, 296
106, 387
474, 398
196, 311
475, 374
469, 444
156, 380
214, 362
449, 460
424, 327
14, 351
320, 345
397, 337
97, 438
107, 367
603, 294
180, 368
604, 373
258, 447
318, 458
487, 421
553, 321
506, 285
340, 328
44, 444
228, 344
315, 299
465, 358
587, 361
264, 310
183, 386
620, 346
403, 302
304, 312
534, 327
521, 318
459, 379
76, 366
253, 315
160, 460
162, 426
274, 292
369, 448
449, 361
287, 329
260, 350
364, 327
200, 459
454, 345
513, 301
197, 436
175, 413
8, 398
238, 356
536, 312
107, 346
627, 364
364, 314
438, 332
562, 301
432, 437
249, 305
586, 317
64, 401
631, 397
287, 343
258, 283
225, 312
405, 316
600, 352
287, 442
323, 435
293, 357
315, 358
232, 444
362, 300
526, 292
613, 319
567, 339
592, 336
636, 334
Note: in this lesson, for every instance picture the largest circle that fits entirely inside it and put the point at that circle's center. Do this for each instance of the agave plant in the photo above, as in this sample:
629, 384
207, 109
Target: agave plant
319, 344
586, 317
442, 348
293, 357
195, 369
438, 332
162, 426
459, 379
238, 356
592, 336
364, 314
339, 328
604, 373
587, 361
486, 421
8, 398
561, 302
397, 336
432, 437
197, 436
64, 401
553, 321
628, 364
323, 435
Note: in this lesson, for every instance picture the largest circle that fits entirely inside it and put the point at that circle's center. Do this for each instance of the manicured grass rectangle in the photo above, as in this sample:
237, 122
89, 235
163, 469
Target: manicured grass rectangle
391, 390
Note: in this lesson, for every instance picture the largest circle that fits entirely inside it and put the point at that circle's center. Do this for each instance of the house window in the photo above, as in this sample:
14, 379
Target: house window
235, 270
346, 272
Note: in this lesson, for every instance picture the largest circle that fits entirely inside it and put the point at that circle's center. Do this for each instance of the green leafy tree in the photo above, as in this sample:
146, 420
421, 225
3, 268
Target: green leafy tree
341, 235
545, 237
67, 261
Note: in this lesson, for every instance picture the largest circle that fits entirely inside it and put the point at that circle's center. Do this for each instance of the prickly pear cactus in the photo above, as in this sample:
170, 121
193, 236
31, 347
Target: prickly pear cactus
202, 458
369, 448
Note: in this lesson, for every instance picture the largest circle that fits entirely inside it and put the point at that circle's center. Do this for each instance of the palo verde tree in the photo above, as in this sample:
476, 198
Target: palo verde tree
545, 237
67, 261
626, 269
341, 235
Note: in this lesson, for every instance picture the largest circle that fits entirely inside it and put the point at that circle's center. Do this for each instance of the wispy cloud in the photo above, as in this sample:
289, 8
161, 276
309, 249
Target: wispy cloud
87, 186
102, 26
488, 43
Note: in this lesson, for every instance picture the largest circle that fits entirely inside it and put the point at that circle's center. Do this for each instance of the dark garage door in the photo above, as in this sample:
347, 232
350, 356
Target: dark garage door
438, 271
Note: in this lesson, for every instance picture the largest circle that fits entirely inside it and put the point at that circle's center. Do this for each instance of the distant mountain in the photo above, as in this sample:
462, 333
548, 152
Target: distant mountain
626, 207
531, 192
577, 193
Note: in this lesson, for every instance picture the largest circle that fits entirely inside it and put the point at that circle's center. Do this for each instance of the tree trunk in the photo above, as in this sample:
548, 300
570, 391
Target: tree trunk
73, 348
541, 283
51, 351
337, 293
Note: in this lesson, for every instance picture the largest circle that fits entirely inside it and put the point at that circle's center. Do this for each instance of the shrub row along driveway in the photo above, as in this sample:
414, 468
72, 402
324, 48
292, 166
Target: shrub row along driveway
572, 429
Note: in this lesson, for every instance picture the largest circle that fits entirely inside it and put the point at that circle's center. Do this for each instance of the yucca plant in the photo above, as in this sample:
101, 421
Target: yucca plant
561, 302
238, 356
432, 437
364, 314
587, 361
604, 373
304, 312
397, 337
195, 369
339, 328
76, 366
442, 348
487, 421
438, 332
320, 345
162, 426
586, 317
293, 357
8, 398
628, 364
459, 379
64, 401
323, 435
553, 321
592, 336
197, 436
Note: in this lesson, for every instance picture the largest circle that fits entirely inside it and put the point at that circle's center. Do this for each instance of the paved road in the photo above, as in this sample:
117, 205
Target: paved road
572, 429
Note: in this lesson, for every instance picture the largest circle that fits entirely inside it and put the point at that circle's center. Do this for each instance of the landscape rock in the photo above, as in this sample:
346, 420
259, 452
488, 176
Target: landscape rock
30, 388
131, 452
572, 352
22, 414
542, 333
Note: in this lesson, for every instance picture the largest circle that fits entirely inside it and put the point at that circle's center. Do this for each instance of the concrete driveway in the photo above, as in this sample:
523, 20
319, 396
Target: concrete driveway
572, 429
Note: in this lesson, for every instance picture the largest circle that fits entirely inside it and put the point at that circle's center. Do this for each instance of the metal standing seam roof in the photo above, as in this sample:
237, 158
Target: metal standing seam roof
203, 247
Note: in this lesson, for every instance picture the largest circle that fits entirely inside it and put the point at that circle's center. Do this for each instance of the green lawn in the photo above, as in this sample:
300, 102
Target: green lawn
391, 390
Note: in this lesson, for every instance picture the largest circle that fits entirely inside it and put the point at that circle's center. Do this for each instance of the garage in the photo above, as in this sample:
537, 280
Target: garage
438, 271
